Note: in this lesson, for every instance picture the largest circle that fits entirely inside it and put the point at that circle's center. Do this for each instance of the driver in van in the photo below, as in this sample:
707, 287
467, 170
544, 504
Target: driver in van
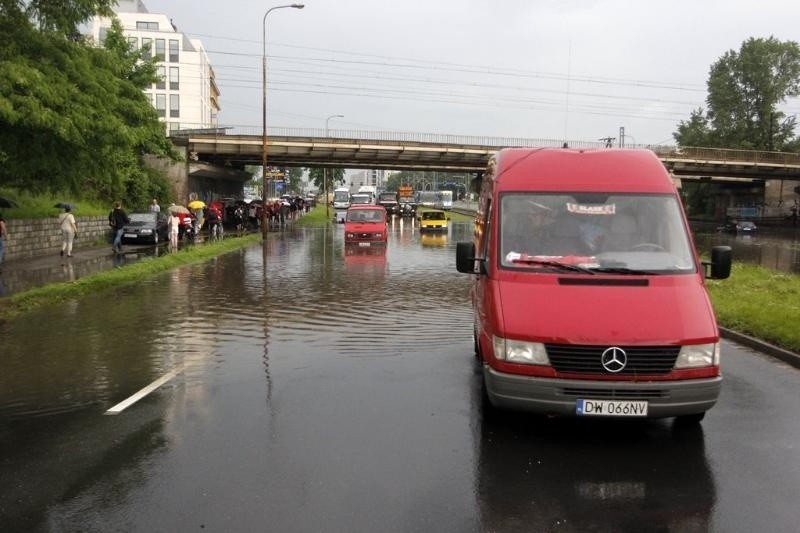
528, 227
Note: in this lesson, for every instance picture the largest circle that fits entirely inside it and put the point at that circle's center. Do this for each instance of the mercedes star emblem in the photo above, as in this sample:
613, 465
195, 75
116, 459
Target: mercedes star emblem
614, 359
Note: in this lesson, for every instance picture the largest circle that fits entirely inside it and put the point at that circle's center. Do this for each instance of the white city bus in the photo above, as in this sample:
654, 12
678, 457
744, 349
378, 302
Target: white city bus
341, 198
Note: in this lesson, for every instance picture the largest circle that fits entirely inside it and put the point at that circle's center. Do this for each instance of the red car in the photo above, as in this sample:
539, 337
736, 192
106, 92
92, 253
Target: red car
365, 225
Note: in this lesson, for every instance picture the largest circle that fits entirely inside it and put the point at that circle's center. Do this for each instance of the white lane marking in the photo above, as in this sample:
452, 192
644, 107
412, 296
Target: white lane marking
121, 406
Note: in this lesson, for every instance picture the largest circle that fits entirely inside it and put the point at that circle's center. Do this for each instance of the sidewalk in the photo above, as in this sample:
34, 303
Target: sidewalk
19, 275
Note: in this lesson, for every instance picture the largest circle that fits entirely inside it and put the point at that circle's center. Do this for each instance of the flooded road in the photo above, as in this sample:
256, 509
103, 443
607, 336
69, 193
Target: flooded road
774, 248
335, 390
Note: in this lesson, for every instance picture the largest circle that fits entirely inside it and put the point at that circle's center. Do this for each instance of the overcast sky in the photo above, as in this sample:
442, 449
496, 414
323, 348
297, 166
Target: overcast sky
560, 69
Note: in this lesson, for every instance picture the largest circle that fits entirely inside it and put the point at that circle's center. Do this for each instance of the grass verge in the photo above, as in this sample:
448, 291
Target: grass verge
759, 302
31, 205
59, 292
316, 217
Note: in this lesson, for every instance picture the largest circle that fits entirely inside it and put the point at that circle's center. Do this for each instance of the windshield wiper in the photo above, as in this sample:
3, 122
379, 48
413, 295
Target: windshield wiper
555, 264
625, 270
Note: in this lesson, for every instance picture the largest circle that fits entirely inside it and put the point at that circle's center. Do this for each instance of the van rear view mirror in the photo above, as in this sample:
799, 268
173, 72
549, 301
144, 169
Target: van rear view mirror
721, 258
465, 259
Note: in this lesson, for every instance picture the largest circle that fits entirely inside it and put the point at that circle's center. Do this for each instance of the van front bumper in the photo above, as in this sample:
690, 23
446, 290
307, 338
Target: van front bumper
559, 396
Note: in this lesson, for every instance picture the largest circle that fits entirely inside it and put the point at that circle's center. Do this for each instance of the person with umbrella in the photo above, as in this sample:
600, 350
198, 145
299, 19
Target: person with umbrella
197, 207
117, 218
3, 236
173, 225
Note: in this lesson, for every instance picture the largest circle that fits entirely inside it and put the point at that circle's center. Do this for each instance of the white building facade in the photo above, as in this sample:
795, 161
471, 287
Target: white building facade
187, 97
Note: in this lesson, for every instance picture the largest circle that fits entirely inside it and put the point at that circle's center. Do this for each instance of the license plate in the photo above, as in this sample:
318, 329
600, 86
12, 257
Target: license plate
610, 408
130, 236
364, 243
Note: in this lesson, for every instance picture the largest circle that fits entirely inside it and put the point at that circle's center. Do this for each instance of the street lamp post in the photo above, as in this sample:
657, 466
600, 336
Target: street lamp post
264, 114
325, 171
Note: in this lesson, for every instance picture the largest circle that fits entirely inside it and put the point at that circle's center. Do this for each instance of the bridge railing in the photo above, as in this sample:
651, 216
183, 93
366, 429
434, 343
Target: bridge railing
663, 151
383, 136
726, 155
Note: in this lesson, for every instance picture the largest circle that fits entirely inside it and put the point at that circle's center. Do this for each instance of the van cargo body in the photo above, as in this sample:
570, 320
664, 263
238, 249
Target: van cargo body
589, 296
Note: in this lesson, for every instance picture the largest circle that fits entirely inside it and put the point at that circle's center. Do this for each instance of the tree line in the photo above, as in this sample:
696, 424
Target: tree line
73, 116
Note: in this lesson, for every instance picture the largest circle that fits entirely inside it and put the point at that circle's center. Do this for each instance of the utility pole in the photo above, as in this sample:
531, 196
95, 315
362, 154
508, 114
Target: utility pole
622, 136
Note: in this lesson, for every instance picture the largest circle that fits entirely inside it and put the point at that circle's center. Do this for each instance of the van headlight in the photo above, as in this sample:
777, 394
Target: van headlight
530, 353
698, 355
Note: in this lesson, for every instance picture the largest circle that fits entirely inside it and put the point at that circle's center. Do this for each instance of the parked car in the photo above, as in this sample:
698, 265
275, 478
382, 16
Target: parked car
145, 228
434, 220
740, 227
365, 225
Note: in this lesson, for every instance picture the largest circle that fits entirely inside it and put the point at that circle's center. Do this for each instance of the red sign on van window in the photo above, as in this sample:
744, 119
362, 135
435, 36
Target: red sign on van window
585, 209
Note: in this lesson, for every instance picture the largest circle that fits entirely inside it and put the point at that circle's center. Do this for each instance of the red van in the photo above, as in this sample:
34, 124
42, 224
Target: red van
365, 225
589, 295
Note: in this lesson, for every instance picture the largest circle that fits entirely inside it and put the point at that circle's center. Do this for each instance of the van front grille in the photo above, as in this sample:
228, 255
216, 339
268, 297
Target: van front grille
615, 394
584, 359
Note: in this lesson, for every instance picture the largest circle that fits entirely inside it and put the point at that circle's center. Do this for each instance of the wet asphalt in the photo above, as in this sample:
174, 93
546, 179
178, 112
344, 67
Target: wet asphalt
316, 388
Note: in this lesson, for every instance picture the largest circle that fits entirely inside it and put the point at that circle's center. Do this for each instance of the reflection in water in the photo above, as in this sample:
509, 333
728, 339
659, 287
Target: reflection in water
290, 323
538, 474
265, 306
367, 262
769, 248
433, 239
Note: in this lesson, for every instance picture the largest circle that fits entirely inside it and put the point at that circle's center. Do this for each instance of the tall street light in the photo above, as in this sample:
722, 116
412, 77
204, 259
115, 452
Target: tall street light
264, 114
325, 170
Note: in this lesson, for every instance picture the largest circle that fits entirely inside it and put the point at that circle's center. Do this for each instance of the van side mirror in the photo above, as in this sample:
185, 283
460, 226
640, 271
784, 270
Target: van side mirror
465, 259
720, 264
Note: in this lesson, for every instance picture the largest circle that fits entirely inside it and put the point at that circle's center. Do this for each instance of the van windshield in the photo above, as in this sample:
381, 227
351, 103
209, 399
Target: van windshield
614, 233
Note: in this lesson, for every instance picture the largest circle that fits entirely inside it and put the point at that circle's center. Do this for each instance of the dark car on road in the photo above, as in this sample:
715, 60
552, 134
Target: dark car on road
388, 200
145, 228
740, 227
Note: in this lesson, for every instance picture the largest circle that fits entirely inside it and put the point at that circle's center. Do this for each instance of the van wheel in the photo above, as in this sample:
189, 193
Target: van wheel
687, 420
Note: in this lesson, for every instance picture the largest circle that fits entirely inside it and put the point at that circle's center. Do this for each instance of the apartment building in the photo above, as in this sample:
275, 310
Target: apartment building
187, 96
375, 178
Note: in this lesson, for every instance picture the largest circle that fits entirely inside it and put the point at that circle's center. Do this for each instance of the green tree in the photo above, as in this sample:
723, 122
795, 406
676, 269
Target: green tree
404, 177
335, 177
73, 117
57, 16
744, 91
294, 180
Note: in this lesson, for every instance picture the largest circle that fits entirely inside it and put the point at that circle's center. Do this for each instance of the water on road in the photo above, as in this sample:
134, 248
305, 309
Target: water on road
310, 387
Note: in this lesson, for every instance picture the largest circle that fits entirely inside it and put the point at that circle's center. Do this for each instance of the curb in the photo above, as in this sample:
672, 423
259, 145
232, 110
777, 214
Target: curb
777, 352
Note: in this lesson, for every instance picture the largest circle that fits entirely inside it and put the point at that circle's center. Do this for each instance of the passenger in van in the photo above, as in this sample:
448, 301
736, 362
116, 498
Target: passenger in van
527, 227
592, 235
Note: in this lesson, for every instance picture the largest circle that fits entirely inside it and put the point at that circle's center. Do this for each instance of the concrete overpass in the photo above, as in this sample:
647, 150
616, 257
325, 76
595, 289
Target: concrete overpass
449, 153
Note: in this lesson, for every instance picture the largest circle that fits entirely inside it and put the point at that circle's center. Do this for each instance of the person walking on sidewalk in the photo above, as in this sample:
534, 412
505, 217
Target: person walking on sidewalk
154, 207
3, 236
117, 218
66, 221
173, 225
